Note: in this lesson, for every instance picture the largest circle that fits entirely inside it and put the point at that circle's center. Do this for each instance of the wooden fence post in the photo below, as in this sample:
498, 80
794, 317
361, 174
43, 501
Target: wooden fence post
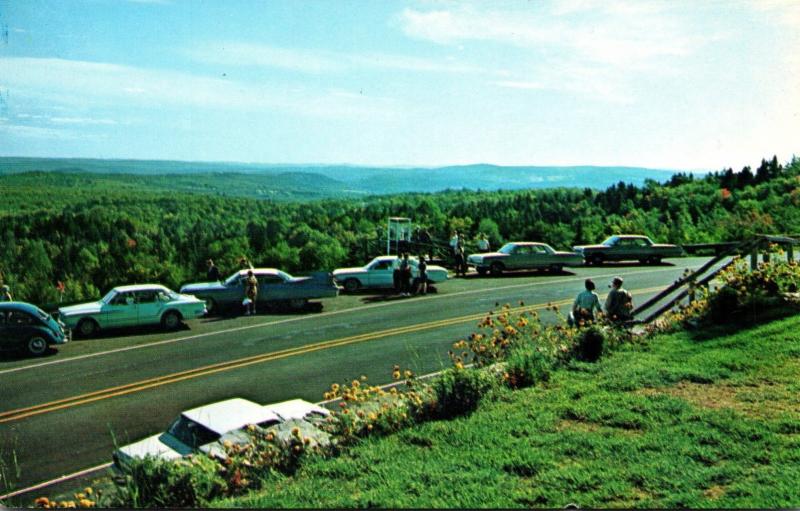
754, 258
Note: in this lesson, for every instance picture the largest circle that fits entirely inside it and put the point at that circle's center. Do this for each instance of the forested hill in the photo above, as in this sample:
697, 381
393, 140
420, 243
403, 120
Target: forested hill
348, 180
98, 233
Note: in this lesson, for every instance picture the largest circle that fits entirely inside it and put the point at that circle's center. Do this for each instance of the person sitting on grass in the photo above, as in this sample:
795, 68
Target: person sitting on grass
619, 302
585, 305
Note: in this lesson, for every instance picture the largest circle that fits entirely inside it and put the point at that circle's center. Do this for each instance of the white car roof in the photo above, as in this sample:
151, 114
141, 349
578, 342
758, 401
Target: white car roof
230, 414
296, 409
139, 287
261, 271
525, 243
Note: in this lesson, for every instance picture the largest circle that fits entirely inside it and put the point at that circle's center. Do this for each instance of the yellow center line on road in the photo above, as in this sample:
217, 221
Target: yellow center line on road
22, 413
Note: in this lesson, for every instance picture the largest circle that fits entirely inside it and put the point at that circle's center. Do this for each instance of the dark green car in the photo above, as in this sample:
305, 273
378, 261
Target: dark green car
27, 327
628, 247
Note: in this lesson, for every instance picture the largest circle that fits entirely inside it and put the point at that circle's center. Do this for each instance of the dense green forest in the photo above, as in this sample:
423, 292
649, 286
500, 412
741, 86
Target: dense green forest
92, 232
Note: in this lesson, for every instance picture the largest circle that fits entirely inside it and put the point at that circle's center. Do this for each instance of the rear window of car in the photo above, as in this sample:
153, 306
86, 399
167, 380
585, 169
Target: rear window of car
192, 433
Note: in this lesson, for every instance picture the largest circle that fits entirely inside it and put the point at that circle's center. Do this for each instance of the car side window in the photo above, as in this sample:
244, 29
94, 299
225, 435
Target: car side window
16, 318
383, 265
146, 296
536, 249
269, 279
522, 250
123, 299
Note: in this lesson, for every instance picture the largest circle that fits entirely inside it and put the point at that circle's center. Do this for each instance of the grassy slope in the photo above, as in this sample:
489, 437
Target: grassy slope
680, 422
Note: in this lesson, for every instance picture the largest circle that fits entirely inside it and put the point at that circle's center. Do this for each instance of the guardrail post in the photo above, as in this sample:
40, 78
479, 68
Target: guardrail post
754, 258
790, 253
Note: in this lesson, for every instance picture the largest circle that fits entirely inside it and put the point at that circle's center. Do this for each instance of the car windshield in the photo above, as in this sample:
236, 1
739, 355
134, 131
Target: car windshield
232, 280
547, 248
284, 275
109, 296
191, 433
507, 248
611, 241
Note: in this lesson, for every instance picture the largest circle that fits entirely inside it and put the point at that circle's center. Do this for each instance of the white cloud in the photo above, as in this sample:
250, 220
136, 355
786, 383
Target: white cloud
92, 84
234, 53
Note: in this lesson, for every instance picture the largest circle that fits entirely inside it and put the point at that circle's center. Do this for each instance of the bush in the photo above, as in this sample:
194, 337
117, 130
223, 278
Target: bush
458, 391
154, 482
590, 345
527, 366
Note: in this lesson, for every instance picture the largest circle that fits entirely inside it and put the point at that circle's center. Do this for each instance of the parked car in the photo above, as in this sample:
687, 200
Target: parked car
124, 306
523, 255
624, 247
204, 429
26, 327
275, 287
379, 273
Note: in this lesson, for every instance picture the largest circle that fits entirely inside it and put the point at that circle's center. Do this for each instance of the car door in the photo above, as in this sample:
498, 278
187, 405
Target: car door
19, 326
381, 274
121, 310
538, 257
273, 288
149, 307
518, 257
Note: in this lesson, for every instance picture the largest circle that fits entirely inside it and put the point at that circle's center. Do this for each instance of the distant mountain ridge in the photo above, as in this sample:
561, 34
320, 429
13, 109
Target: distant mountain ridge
337, 180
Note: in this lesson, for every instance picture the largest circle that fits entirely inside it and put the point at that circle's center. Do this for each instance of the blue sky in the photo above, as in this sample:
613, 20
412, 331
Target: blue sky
680, 84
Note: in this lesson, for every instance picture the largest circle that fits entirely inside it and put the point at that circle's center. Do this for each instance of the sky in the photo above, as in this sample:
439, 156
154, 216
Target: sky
681, 84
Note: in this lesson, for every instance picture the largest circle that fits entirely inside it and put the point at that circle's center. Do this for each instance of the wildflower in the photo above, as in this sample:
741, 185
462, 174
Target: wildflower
459, 365
363, 377
270, 437
42, 502
86, 503
335, 387
396, 374
408, 373
342, 404
356, 384
298, 448
296, 432
369, 427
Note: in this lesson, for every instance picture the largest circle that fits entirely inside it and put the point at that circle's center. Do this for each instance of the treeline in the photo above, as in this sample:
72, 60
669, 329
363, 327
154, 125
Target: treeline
92, 234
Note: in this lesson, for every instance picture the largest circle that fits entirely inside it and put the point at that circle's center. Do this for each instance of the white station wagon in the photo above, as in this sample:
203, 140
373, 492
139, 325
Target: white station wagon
124, 306
204, 429
379, 273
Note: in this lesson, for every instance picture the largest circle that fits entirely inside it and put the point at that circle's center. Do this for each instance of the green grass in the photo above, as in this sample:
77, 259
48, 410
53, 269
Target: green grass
679, 422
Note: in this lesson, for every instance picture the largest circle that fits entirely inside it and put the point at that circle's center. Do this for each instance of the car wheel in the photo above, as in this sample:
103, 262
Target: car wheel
351, 285
496, 268
655, 260
37, 345
171, 320
88, 327
596, 259
481, 271
556, 268
211, 306
298, 303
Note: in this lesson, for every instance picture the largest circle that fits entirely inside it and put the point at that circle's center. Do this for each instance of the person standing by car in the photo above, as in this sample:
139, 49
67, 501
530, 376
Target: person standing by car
585, 305
454, 241
461, 261
483, 243
619, 302
251, 293
405, 275
5, 294
423, 275
213, 272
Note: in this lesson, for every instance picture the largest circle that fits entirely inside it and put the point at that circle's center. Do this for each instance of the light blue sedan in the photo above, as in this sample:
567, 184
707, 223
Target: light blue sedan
125, 306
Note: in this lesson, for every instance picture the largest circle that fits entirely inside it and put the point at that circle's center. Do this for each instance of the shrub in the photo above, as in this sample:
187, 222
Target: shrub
590, 345
526, 366
154, 482
458, 391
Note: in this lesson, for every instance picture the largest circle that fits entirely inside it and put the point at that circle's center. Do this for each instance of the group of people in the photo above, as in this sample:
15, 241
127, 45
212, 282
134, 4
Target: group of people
402, 274
618, 307
457, 249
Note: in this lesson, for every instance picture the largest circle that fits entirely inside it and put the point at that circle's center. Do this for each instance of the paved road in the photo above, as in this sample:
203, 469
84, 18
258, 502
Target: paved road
65, 412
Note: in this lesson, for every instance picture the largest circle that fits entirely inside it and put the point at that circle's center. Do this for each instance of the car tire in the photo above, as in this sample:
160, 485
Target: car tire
481, 271
351, 285
36, 346
655, 260
596, 259
171, 320
556, 268
88, 327
496, 269
211, 306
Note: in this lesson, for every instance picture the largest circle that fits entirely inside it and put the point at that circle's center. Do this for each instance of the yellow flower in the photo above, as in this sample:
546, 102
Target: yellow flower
42, 502
295, 432
356, 384
86, 503
459, 365
396, 374
409, 374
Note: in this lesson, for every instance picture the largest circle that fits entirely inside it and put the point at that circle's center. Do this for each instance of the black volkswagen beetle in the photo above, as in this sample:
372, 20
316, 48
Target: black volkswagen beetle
27, 327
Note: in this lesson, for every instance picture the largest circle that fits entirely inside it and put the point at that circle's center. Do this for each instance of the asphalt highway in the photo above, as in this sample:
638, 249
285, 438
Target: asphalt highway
66, 411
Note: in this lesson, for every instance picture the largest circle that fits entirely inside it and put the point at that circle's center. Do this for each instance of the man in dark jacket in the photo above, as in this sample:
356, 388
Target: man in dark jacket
619, 302
213, 271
